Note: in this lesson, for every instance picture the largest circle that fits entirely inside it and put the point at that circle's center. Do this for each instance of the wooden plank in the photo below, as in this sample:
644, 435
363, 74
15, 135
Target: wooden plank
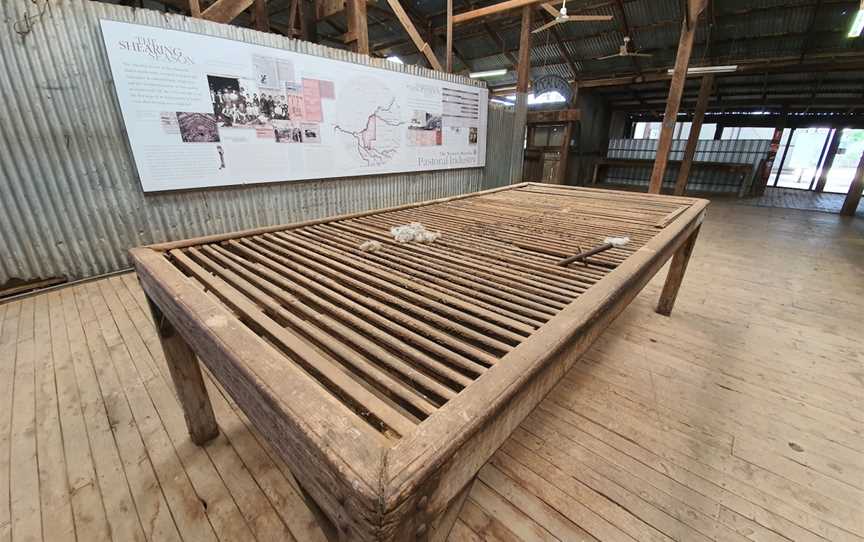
54, 495
195, 9
673, 102
114, 485
86, 499
25, 503
183, 505
8, 355
693, 138
507, 5
421, 45
225, 11
154, 515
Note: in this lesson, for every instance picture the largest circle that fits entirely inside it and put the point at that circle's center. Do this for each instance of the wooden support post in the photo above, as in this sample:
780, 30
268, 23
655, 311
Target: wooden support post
308, 23
693, 138
422, 46
358, 27
829, 159
523, 73
195, 9
188, 381
673, 102
676, 275
262, 20
850, 204
449, 58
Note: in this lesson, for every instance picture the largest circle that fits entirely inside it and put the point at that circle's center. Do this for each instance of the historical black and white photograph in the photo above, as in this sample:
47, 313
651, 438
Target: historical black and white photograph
240, 103
287, 132
197, 127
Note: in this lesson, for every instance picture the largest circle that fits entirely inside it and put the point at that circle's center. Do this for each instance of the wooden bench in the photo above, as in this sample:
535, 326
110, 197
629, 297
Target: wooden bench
385, 379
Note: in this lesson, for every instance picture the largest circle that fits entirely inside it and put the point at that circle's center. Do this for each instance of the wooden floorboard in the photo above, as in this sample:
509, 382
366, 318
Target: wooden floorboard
739, 418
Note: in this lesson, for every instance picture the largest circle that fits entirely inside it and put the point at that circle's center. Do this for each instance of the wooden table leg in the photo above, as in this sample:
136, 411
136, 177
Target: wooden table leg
676, 275
186, 374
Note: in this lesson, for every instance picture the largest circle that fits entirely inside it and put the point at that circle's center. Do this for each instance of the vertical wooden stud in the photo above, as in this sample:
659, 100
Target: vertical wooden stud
262, 20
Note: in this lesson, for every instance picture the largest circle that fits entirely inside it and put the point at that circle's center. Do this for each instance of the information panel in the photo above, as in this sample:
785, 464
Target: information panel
203, 111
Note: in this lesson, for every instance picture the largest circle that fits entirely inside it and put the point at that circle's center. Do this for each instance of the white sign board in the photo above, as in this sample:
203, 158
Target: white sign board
204, 111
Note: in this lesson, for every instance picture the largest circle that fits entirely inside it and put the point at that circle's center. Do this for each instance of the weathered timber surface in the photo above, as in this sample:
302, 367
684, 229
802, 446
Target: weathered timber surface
386, 378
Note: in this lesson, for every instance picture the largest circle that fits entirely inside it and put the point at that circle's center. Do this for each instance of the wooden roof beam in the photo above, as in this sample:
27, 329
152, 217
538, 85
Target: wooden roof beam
422, 45
225, 11
509, 5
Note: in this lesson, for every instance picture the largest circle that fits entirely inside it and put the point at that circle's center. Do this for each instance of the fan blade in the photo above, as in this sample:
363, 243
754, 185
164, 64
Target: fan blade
607, 57
582, 18
545, 26
550, 9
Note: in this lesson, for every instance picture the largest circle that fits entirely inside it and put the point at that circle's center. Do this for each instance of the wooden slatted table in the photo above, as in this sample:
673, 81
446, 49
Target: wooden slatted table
386, 379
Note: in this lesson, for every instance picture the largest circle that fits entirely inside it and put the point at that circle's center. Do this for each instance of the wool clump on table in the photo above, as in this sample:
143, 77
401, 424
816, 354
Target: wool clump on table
617, 241
413, 232
371, 246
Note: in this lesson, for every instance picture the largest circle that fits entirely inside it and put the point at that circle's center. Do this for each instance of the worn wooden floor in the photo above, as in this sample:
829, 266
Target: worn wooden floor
738, 418
805, 200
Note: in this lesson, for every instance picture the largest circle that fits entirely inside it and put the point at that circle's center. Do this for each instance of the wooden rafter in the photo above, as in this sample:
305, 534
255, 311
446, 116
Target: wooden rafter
225, 11
422, 45
194, 8
509, 5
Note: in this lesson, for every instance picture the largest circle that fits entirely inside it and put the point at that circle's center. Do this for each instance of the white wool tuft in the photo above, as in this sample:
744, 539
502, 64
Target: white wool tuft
617, 241
371, 246
413, 232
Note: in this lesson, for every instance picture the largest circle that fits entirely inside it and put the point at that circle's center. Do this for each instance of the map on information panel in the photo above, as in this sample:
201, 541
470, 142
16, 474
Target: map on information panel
204, 111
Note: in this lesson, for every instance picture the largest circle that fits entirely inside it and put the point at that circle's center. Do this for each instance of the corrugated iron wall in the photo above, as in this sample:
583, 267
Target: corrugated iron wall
740, 151
70, 200
498, 146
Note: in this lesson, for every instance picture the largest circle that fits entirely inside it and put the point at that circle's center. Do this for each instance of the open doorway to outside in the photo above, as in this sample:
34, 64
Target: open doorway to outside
806, 161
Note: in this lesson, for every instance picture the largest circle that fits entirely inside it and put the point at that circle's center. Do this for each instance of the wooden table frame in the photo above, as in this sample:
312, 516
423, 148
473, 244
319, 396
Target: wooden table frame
368, 488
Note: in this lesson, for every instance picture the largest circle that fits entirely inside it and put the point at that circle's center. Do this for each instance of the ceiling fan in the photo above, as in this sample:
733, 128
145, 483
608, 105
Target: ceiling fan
624, 51
562, 17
